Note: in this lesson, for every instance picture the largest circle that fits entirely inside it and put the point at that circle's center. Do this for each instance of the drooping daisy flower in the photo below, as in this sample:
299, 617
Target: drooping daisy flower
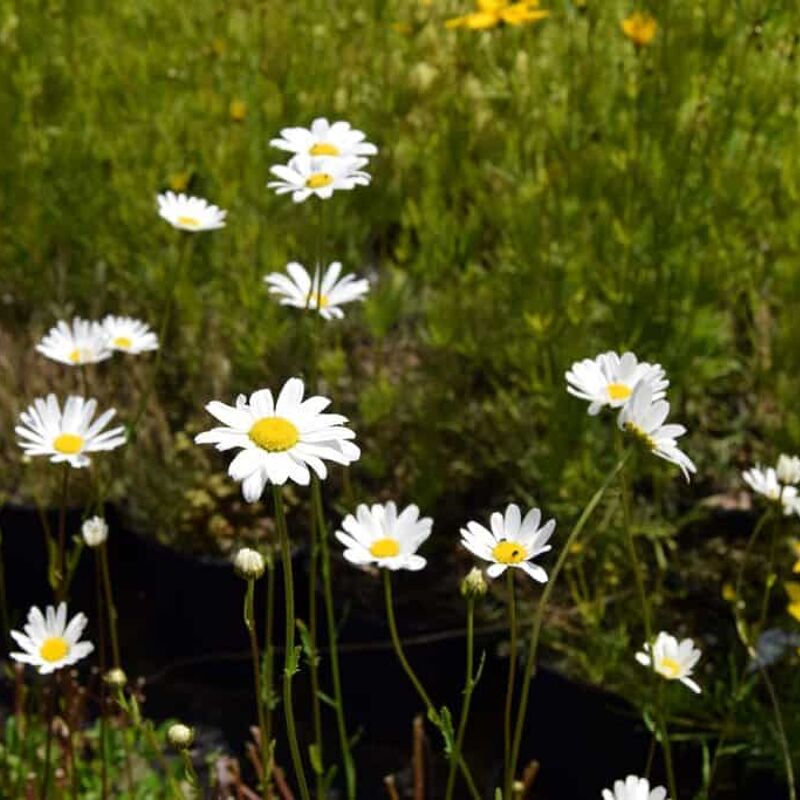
82, 342
511, 542
609, 379
279, 440
378, 535
305, 175
788, 469
764, 481
640, 28
192, 214
325, 139
644, 420
326, 296
48, 642
674, 660
633, 788
129, 335
67, 436
491, 13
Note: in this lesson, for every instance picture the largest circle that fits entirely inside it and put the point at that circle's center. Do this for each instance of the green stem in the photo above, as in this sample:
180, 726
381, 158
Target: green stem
469, 685
48, 747
111, 608
330, 617
191, 774
250, 624
61, 568
291, 654
313, 658
661, 717
101, 649
530, 664
433, 714
269, 658
512, 668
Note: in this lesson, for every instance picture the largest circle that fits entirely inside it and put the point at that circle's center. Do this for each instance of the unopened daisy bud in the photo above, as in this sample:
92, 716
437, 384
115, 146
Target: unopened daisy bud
116, 678
249, 563
788, 469
94, 531
180, 736
474, 584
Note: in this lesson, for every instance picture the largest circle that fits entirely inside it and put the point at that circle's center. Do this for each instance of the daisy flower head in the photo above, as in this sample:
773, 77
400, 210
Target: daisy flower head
338, 140
633, 788
306, 175
48, 642
325, 294
129, 335
81, 342
68, 435
765, 481
192, 214
643, 419
379, 535
279, 439
511, 541
674, 660
609, 379
788, 469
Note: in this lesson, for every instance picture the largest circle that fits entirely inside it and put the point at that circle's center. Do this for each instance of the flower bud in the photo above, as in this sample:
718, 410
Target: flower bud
474, 584
788, 469
116, 678
180, 736
249, 563
94, 531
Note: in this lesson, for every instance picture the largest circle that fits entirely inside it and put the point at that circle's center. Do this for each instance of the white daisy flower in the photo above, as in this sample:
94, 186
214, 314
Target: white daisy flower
193, 214
325, 139
674, 660
281, 439
378, 535
643, 419
67, 436
765, 481
305, 175
48, 642
609, 379
298, 290
82, 342
511, 542
129, 335
788, 469
633, 788
94, 531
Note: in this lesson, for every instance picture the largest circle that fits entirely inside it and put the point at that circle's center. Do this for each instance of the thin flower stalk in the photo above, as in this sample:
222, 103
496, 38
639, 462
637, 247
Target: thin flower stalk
469, 686
536, 628
313, 656
433, 714
111, 609
48, 747
250, 624
268, 659
512, 669
290, 655
60, 571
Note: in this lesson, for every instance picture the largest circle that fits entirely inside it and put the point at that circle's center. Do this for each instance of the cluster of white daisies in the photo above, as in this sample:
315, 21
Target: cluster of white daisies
779, 484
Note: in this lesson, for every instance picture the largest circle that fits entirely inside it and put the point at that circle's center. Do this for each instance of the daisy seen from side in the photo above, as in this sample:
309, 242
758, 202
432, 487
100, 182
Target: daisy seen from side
188, 213
77, 343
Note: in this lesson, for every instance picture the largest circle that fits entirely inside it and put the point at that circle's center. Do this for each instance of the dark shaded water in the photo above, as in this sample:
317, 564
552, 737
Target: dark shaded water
182, 630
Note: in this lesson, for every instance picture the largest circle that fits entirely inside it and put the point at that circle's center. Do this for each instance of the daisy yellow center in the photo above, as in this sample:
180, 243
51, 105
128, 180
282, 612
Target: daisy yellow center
669, 667
319, 300
68, 443
640, 435
319, 180
75, 356
189, 222
509, 552
385, 548
54, 649
274, 434
324, 149
123, 341
618, 391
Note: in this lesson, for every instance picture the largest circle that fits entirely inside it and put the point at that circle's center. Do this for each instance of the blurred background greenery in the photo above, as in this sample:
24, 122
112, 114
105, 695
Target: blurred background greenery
542, 193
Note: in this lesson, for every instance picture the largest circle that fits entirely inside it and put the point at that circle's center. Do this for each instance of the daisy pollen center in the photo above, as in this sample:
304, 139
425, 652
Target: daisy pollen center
76, 356
509, 552
188, 222
319, 180
324, 149
618, 391
640, 436
54, 649
669, 667
385, 548
274, 434
68, 443
122, 341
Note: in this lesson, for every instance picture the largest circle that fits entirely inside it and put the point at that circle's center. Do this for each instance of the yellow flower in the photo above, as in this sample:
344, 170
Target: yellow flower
237, 110
491, 13
793, 590
640, 28
178, 181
